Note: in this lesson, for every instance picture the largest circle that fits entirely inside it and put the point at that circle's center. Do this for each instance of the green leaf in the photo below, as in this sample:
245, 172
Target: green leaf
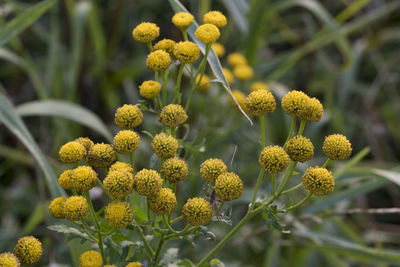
64, 109
61, 228
390, 175
24, 20
212, 59
217, 263
13, 122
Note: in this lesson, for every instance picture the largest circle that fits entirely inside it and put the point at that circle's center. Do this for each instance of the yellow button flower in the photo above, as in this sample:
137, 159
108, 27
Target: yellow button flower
260, 102
336, 147
216, 18
273, 159
126, 141
182, 20
83, 178
259, 86
72, 152
164, 145
134, 264
186, 52
118, 214
300, 148
314, 111
167, 45
75, 208
173, 115
147, 182
243, 72
90, 258
128, 116
163, 202
158, 60
118, 183
101, 156
56, 208
236, 59
197, 211
8, 259
295, 103
228, 186
65, 179
219, 49
211, 169
121, 166
207, 33
174, 170
149, 89
85, 142
146, 32
318, 181
28, 250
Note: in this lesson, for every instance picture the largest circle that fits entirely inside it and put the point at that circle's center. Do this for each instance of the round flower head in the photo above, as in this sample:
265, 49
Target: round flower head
147, 182
118, 214
174, 170
164, 145
149, 89
146, 32
56, 208
228, 186
182, 20
216, 18
318, 181
72, 152
85, 142
240, 98
207, 33
83, 178
186, 52
110, 265
314, 111
158, 60
273, 159
65, 179
300, 148
243, 72
260, 102
197, 211
126, 141
295, 103
173, 115
336, 146
134, 264
121, 166
236, 59
228, 75
167, 45
90, 258
118, 183
101, 156
128, 116
204, 84
163, 202
75, 208
259, 86
28, 250
219, 49
211, 169
8, 260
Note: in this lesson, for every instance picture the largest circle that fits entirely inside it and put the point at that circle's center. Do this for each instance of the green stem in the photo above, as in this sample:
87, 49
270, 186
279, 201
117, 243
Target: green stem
300, 202
286, 177
292, 127
178, 94
146, 244
326, 163
132, 158
273, 184
220, 207
164, 76
156, 77
105, 171
262, 131
160, 244
302, 126
148, 210
98, 228
183, 231
185, 36
292, 188
259, 180
176, 220
150, 46
168, 225
173, 131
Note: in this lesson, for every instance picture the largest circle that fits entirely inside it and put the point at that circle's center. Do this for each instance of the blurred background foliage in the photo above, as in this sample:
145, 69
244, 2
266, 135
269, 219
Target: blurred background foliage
66, 66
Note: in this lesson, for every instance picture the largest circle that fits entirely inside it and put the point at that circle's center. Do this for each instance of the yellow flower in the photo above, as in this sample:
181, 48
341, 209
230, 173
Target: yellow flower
211, 169
72, 152
197, 211
273, 159
240, 98
56, 208
65, 179
90, 258
336, 147
101, 156
134, 264
182, 20
228, 75
314, 111
173, 115
167, 45
146, 32
85, 142
259, 86
8, 259
219, 49
295, 103
128, 116
228, 186
318, 181
110, 265
28, 250
147, 182
126, 141
207, 33
174, 170
236, 59
162, 202
300, 148
83, 178
260, 102
186, 52
149, 89
164, 145
75, 208
216, 18
158, 60
243, 72
121, 166
118, 183
118, 214
204, 84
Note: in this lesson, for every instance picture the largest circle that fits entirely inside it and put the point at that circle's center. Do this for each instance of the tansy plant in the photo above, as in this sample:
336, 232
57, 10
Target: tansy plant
123, 232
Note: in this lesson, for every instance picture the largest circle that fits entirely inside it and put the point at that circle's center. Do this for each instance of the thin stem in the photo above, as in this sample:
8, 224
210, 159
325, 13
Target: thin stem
173, 131
286, 177
132, 158
156, 77
148, 210
273, 184
300, 202
150, 46
292, 127
184, 231
292, 188
185, 36
94, 217
146, 244
259, 180
326, 163
302, 126
176, 220
105, 171
220, 207
164, 76
262, 131
160, 244
168, 225
178, 94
